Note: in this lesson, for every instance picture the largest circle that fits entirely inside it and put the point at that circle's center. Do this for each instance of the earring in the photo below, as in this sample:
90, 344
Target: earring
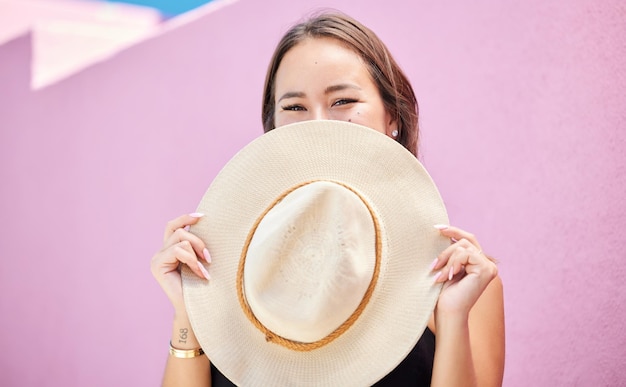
394, 133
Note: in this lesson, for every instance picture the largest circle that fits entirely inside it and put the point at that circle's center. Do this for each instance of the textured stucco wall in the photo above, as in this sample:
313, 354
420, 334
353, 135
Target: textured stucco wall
523, 118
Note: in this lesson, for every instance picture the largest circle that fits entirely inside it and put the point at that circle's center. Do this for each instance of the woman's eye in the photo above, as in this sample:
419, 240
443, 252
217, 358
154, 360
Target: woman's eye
344, 101
295, 108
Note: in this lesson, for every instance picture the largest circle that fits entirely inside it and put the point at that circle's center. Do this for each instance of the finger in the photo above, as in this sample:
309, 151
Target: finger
444, 256
180, 234
457, 234
455, 264
458, 262
181, 222
462, 243
181, 252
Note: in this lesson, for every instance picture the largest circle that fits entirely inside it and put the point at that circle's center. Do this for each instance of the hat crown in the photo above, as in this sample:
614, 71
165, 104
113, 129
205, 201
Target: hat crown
310, 261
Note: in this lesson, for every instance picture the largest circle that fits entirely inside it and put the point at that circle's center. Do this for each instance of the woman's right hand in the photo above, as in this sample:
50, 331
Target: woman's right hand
179, 247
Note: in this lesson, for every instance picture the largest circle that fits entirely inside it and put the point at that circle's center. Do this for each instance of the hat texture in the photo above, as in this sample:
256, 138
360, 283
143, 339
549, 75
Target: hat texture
321, 237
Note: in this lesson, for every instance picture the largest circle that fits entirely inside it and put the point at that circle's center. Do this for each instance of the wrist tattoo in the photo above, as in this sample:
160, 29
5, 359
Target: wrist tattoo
182, 335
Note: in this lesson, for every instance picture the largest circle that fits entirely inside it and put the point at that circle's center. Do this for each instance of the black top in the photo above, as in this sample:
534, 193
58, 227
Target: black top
415, 370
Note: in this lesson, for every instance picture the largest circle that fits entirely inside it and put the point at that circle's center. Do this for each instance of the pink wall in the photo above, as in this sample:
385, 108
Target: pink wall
524, 121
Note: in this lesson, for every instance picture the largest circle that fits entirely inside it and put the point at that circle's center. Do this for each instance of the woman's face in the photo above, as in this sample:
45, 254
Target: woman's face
320, 79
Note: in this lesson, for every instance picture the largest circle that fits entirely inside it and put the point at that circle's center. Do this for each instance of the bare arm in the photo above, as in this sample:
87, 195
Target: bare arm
469, 318
486, 322
182, 247
194, 372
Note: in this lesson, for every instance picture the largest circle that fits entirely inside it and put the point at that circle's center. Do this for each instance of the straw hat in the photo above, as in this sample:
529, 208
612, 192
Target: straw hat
321, 236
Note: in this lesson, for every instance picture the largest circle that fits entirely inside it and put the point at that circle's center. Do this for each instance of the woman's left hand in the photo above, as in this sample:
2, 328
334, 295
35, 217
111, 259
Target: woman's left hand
464, 269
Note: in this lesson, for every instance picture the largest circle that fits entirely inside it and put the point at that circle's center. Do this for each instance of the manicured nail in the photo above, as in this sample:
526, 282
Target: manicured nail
196, 214
206, 254
451, 274
436, 276
440, 226
432, 265
203, 270
187, 227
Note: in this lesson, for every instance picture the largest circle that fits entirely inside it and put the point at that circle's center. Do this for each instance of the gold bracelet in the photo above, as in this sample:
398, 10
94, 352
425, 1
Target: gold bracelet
185, 353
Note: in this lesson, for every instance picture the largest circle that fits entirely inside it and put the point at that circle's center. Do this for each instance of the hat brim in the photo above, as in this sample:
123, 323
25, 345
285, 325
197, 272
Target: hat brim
407, 203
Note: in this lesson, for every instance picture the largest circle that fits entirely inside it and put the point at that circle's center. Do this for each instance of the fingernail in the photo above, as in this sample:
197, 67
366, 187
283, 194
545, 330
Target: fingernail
432, 265
186, 228
436, 276
451, 274
196, 214
440, 226
203, 270
206, 254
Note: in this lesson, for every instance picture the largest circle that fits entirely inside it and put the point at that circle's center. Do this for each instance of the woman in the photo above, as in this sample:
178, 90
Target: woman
333, 67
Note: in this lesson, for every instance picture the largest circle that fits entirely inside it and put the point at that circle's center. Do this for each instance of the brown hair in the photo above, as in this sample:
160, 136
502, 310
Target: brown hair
394, 87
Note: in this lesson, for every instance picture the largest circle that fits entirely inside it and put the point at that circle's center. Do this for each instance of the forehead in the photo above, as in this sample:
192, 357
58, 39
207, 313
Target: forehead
320, 59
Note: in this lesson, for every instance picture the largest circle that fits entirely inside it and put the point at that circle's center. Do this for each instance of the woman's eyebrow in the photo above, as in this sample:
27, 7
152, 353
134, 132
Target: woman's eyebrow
292, 94
340, 87
328, 90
